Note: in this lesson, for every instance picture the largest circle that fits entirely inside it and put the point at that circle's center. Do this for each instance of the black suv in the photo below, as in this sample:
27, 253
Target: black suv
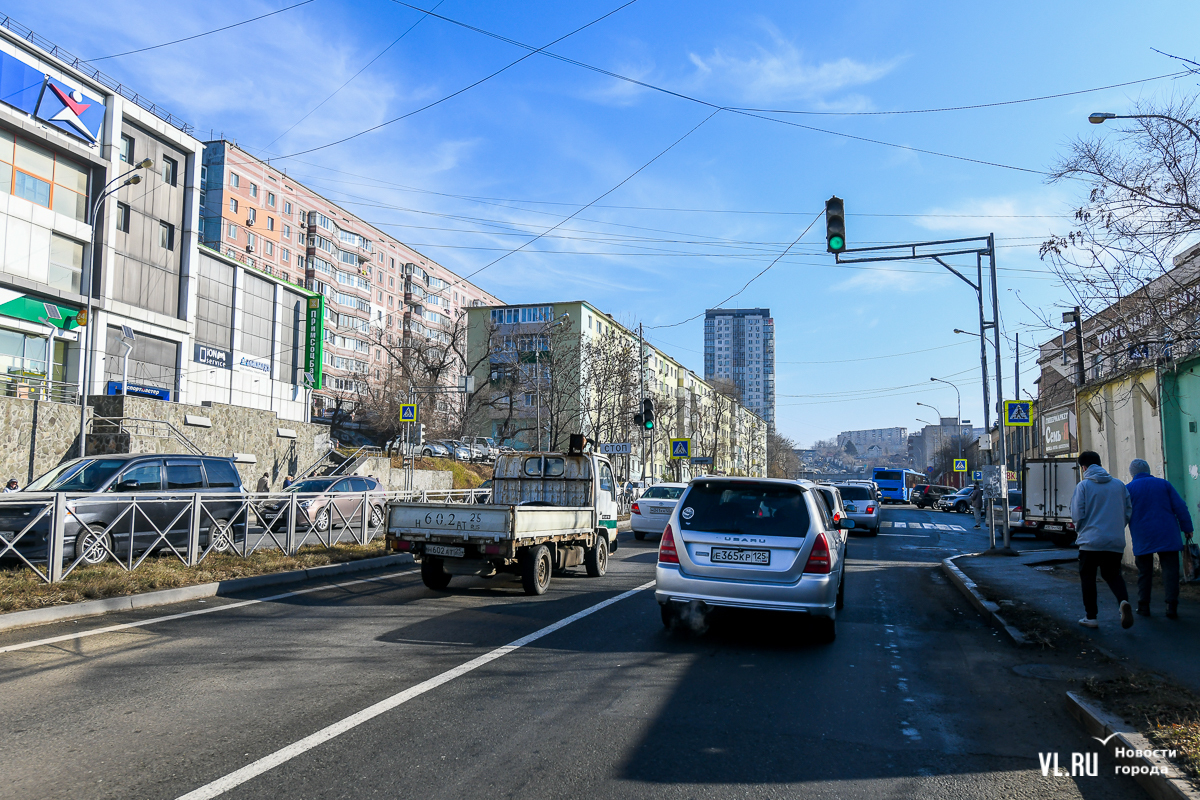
163, 486
926, 495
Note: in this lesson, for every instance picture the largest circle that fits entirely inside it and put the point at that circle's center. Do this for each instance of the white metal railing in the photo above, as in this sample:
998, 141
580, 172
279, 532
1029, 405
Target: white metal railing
55, 533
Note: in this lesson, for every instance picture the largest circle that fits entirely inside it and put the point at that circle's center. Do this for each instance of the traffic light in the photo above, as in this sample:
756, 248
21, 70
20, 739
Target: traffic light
835, 225
421, 434
647, 414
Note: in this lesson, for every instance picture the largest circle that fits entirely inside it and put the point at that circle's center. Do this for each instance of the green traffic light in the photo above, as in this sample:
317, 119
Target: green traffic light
837, 244
650, 425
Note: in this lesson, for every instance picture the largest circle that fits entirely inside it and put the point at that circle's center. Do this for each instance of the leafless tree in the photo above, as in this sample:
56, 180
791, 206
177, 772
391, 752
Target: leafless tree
609, 382
781, 456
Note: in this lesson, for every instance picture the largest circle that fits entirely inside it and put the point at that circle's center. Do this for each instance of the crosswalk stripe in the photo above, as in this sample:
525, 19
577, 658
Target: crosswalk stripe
885, 524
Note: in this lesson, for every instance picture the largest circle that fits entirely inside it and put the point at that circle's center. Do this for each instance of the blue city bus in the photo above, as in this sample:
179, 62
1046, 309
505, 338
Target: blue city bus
896, 485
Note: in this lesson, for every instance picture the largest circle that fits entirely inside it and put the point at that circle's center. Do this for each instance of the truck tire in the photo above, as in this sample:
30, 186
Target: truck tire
536, 567
596, 558
433, 574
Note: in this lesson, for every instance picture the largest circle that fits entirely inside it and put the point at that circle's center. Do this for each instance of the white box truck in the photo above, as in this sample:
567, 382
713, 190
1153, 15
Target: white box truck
548, 511
1049, 484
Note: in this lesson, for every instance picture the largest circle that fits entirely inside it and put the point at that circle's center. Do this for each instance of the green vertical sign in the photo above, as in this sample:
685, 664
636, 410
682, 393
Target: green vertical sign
314, 340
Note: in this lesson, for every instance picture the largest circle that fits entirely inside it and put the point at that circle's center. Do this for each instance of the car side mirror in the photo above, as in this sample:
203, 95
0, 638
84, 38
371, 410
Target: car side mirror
845, 524
128, 486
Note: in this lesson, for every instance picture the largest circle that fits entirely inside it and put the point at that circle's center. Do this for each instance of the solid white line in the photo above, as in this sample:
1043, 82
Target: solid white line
142, 623
285, 754
907, 535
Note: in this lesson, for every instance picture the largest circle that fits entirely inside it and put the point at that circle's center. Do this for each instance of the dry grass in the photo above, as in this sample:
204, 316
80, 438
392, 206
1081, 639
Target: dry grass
466, 475
1165, 713
21, 589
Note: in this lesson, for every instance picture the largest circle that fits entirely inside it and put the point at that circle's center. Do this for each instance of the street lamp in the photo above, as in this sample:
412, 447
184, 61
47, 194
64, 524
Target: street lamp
1098, 117
85, 344
958, 421
933, 407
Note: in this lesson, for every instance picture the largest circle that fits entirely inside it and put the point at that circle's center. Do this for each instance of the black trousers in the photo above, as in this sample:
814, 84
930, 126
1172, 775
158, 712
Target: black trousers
1169, 562
1109, 564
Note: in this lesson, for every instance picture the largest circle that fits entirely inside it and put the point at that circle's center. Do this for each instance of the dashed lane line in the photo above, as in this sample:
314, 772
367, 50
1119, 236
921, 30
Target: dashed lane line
285, 754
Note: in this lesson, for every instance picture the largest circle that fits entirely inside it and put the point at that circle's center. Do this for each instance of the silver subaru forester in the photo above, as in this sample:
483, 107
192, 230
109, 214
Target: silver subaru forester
753, 543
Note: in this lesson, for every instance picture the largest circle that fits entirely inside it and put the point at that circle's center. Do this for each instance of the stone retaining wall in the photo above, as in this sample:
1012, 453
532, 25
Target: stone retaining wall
35, 436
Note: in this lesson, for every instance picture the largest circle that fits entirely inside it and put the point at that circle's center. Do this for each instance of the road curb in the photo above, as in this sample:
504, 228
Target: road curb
990, 610
91, 608
1099, 724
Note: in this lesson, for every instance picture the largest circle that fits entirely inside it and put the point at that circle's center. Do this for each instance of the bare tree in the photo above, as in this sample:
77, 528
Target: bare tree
609, 383
781, 456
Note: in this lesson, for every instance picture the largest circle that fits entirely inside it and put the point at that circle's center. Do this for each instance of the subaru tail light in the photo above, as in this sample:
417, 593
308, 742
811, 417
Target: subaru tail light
818, 559
634, 508
870, 509
666, 548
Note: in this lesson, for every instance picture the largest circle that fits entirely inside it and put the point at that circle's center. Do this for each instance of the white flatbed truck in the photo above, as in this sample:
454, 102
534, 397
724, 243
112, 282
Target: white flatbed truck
549, 511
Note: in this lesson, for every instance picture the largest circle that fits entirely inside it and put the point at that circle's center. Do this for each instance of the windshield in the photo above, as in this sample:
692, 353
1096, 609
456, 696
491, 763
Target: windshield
856, 493
315, 485
663, 493
77, 476
762, 509
887, 475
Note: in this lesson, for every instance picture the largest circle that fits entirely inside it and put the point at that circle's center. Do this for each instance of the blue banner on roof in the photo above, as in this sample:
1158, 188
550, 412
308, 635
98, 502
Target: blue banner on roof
28, 89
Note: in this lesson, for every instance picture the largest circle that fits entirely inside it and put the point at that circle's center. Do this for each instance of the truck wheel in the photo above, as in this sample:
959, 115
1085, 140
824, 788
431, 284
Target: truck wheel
433, 574
596, 558
536, 566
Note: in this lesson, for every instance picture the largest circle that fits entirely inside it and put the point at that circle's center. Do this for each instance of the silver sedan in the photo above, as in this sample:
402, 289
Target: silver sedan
650, 512
861, 506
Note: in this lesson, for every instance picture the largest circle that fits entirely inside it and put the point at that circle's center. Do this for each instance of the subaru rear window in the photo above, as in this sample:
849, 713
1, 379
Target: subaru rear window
764, 509
856, 493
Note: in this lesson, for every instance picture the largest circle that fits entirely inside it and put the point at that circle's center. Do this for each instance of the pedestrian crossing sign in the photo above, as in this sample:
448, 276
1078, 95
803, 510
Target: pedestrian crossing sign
960, 465
1017, 412
681, 448
408, 412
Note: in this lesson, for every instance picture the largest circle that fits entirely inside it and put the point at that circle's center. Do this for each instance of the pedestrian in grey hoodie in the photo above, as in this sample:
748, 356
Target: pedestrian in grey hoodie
1101, 509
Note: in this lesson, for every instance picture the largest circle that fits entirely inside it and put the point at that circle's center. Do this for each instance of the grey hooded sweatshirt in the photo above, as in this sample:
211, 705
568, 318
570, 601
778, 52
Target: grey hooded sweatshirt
1101, 509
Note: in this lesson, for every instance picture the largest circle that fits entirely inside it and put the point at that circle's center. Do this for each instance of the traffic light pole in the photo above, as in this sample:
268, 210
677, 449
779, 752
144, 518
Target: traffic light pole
979, 246
642, 396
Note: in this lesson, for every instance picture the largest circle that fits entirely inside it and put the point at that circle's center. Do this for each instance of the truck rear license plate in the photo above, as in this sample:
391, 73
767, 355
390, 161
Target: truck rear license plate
443, 550
1054, 527
727, 555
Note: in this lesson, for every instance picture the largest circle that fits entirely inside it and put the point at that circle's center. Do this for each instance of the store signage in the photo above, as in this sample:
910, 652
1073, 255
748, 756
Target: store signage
213, 357
314, 340
28, 89
251, 363
157, 392
1057, 429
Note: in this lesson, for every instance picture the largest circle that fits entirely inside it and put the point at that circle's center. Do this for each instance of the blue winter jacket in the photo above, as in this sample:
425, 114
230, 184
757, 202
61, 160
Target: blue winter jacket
1159, 513
1100, 508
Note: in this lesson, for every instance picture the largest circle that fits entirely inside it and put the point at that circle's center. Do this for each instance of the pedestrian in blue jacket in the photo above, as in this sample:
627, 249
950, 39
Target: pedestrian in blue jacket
1101, 509
1159, 514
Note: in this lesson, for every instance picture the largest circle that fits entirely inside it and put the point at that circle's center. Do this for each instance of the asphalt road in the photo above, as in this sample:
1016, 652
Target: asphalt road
378, 687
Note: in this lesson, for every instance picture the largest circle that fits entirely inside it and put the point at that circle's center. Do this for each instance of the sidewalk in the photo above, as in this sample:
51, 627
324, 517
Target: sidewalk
1048, 581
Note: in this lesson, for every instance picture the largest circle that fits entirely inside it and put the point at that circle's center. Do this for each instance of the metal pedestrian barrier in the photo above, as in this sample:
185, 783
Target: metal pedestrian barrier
55, 533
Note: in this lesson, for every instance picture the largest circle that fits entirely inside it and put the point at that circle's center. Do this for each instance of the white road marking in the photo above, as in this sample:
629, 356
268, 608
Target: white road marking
907, 535
885, 524
142, 623
285, 754
901, 524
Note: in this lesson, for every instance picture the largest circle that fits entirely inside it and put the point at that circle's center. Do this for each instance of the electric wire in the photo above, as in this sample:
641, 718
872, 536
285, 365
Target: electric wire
199, 35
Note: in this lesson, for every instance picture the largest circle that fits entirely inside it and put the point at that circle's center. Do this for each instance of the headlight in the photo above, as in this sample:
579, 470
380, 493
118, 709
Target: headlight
305, 503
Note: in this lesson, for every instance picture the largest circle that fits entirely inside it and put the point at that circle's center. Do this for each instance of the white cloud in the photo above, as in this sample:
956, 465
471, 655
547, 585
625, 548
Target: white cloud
1017, 218
876, 280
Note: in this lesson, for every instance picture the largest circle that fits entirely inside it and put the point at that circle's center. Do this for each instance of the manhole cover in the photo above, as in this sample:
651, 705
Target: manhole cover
1053, 672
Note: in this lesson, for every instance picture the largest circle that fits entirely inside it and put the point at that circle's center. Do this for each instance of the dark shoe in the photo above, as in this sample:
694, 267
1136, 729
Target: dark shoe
1143, 609
1126, 614
1172, 611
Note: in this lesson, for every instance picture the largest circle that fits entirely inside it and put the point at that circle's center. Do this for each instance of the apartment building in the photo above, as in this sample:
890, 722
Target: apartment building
739, 346
545, 371
371, 283
889, 440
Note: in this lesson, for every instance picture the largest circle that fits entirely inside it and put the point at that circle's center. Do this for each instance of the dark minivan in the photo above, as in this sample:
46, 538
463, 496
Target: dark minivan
163, 486
926, 495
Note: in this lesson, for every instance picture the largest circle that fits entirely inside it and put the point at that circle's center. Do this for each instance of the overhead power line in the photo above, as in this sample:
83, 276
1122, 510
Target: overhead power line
201, 35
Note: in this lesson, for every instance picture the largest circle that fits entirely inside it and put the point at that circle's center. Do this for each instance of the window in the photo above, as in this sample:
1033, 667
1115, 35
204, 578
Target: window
251, 216
258, 318
251, 239
233, 231
66, 264
166, 235
287, 207
269, 248
270, 223
287, 231
235, 180
221, 475
290, 337
214, 303
170, 169
271, 199
254, 190
126, 148
148, 477
233, 205
122, 218
285, 255
184, 475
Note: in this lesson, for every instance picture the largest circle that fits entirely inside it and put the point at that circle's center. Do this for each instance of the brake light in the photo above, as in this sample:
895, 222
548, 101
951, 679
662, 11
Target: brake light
634, 508
666, 548
1070, 526
818, 559
1018, 510
837, 515
870, 509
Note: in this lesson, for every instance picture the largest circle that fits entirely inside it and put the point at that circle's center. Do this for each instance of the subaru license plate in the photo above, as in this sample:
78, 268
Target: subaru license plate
443, 550
729, 555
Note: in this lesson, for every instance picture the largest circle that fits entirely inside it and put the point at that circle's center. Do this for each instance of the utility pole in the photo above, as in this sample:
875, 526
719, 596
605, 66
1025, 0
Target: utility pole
1079, 373
642, 394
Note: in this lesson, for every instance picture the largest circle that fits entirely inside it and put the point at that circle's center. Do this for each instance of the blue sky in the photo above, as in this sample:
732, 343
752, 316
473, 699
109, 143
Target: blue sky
487, 170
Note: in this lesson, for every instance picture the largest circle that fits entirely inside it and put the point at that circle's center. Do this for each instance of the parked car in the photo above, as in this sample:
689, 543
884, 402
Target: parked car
330, 502
483, 492
456, 449
1016, 515
874, 487
752, 544
925, 495
486, 446
833, 501
435, 450
861, 505
959, 502
118, 478
650, 512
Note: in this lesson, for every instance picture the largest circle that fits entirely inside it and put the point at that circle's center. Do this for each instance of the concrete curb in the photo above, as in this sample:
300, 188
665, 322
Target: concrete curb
1098, 723
91, 608
990, 610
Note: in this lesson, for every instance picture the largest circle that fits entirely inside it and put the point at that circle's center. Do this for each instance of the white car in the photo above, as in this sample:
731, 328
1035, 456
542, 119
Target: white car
650, 512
